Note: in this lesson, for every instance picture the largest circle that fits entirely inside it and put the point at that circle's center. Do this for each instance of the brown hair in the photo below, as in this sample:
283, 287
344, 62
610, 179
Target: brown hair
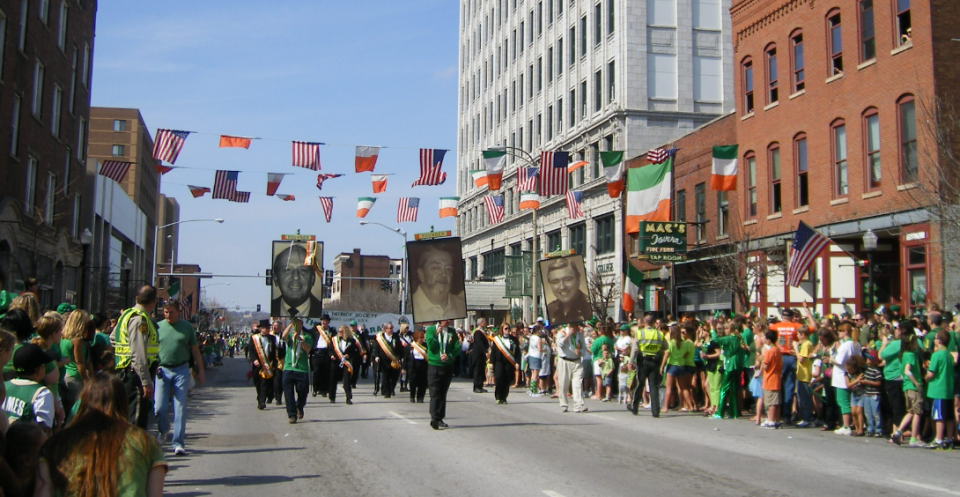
27, 302
418, 335
7, 340
46, 327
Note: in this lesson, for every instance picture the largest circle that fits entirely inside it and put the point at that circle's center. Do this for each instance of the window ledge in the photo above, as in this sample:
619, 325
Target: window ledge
723, 237
771, 217
906, 46
833, 78
801, 210
839, 201
908, 186
746, 116
797, 94
871, 194
867, 64
770, 106
750, 222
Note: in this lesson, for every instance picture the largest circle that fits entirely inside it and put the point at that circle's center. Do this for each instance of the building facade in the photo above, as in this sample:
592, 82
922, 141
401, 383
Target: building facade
46, 51
578, 76
169, 240
347, 266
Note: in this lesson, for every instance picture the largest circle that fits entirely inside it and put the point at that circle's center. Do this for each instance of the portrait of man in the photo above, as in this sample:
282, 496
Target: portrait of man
297, 289
565, 289
436, 280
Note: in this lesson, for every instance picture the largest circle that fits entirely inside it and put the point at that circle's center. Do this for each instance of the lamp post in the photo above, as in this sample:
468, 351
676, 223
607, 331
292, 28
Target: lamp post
664, 277
156, 242
86, 238
491, 310
403, 277
870, 245
127, 266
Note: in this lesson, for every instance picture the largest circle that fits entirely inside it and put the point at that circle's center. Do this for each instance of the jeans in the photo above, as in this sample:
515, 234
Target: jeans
805, 401
299, 381
871, 413
789, 383
172, 381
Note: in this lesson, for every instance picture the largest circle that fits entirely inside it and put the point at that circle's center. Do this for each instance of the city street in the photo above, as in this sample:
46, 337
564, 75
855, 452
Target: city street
527, 448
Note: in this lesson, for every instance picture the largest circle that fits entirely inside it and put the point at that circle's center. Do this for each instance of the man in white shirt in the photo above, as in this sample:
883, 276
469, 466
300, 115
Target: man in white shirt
570, 349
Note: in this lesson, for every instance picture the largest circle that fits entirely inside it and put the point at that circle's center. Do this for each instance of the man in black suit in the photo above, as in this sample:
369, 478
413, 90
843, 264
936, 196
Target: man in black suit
295, 282
571, 303
388, 358
344, 351
478, 356
262, 354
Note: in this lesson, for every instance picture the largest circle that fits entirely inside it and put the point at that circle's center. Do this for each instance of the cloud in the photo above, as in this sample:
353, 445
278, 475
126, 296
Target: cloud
448, 73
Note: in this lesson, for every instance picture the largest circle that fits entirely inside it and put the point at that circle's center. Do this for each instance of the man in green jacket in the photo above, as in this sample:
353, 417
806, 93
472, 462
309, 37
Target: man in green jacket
443, 347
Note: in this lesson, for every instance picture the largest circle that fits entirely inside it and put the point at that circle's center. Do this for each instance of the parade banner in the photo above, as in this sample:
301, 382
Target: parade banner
372, 321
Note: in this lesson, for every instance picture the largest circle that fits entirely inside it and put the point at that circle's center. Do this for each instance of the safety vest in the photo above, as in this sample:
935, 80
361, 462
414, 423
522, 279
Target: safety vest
649, 341
122, 339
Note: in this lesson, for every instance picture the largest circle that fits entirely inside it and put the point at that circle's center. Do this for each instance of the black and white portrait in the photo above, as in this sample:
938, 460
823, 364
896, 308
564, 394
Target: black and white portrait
565, 289
436, 280
296, 290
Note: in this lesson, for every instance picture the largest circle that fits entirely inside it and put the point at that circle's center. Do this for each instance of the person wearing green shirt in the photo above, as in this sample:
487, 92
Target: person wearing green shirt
912, 386
730, 345
443, 347
296, 367
178, 343
893, 378
940, 389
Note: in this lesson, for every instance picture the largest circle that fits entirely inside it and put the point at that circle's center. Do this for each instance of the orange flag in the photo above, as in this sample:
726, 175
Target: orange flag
227, 141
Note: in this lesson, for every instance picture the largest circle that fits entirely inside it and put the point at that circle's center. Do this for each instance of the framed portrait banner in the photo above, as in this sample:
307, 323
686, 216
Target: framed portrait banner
435, 276
296, 289
564, 281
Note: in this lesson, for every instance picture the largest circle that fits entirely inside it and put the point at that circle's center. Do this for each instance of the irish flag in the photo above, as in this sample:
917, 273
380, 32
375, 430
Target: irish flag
448, 206
494, 161
631, 287
286, 198
366, 158
379, 182
273, 182
724, 176
227, 141
613, 170
364, 204
529, 200
648, 194
479, 177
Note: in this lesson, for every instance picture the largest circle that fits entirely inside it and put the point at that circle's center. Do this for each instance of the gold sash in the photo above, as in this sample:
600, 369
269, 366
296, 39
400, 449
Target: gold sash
265, 371
344, 362
422, 351
503, 350
324, 334
387, 349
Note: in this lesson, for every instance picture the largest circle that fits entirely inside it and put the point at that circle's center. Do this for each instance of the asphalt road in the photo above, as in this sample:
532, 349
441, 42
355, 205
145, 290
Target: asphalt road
382, 447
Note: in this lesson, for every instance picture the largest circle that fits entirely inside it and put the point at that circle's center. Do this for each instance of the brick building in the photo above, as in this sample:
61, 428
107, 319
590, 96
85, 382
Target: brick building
46, 51
355, 265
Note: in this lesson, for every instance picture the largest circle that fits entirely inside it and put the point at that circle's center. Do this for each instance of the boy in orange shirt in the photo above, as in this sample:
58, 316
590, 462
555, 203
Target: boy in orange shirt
772, 376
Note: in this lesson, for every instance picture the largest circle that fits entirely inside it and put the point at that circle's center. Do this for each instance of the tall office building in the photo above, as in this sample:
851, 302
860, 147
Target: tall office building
580, 76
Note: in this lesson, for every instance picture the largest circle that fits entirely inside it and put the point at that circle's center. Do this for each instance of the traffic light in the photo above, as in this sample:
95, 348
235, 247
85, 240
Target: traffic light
384, 285
258, 307
269, 277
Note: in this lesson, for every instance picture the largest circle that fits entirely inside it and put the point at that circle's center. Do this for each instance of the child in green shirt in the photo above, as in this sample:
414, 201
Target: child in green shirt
940, 389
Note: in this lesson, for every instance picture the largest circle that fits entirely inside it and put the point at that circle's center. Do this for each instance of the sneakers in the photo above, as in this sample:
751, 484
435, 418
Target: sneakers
179, 451
916, 444
803, 424
563, 408
896, 437
768, 425
843, 431
582, 409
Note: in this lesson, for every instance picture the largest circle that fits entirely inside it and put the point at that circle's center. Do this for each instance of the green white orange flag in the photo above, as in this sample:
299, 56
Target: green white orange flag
648, 194
724, 176
364, 204
448, 206
479, 177
529, 200
494, 161
613, 170
366, 158
631, 287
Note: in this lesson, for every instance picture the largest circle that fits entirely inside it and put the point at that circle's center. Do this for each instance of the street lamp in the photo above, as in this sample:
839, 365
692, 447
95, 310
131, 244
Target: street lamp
870, 245
156, 242
664, 277
127, 266
86, 238
403, 277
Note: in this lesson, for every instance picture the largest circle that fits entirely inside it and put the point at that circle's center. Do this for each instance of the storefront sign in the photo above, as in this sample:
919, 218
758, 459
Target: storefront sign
663, 238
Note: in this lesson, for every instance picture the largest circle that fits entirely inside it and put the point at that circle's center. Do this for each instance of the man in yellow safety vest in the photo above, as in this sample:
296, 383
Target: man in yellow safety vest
136, 346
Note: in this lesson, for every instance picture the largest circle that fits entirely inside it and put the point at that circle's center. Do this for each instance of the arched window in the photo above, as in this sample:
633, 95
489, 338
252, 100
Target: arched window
834, 43
796, 61
773, 170
800, 168
907, 132
773, 89
750, 160
871, 148
841, 183
747, 73
868, 37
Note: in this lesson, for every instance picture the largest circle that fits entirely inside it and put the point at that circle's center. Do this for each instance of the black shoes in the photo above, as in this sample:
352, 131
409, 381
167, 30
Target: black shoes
279, 402
634, 409
261, 406
443, 425
293, 421
314, 394
412, 400
480, 390
299, 413
349, 402
434, 424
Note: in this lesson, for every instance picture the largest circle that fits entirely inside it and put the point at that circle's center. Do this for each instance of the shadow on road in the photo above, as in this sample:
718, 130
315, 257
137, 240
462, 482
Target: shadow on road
233, 481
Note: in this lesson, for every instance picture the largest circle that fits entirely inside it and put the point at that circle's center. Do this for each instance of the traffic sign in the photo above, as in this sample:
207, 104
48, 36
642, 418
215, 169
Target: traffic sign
431, 235
298, 238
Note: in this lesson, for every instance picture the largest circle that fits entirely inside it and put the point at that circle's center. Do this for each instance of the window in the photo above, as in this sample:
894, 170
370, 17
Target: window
611, 81
81, 139
597, 24
836, 43
44, 11
583, 36
473, 268
513, 44
798, 81
539, 73
904, 31
662, 76
30, 195
681, 206
3, 40
707, 79
549, 123
868, 39
583, 100
723, 213
578, 237
700, 204
550, 12
36, 105
573, 44
50, 198
908, 139
916, 259
776, 197
62, 27
75, 222
550, 65
520, 86
751, 161
522, 34
117, 151
747, 86
539, 129
493, 263
554, 241
85, 70
605, 235
800, 160
597, 91
595, 158
56, 105
22, 39
611, 11
773, 92
66, 171
871, 131
706, 14
530, 81
560, 55
840, 179
572, 118
539, 18
515, 249
73, 78
560, 116
15, 126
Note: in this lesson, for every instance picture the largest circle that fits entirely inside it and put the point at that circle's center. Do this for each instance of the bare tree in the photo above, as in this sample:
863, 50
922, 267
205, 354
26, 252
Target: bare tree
366, 300
602, 291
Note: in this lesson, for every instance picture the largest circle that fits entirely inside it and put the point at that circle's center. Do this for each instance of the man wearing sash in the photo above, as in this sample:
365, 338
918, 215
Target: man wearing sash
387, 359
443, 347
570, 347
504, 355
417, 368
342, 366
478, 356
320, 357
263, 355
406, 337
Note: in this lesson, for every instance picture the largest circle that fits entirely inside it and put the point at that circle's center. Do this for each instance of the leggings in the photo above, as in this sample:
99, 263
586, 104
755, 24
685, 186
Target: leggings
728, 394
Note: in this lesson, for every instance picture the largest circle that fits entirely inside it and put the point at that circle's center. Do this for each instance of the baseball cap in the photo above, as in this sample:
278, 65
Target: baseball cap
28, 358
624, 327
353, 322
66, 307
539, 320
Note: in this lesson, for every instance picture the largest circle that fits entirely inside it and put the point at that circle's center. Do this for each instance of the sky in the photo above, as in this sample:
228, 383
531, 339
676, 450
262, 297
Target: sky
364, 72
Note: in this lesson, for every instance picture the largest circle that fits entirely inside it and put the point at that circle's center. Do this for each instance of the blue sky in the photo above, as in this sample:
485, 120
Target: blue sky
344, 73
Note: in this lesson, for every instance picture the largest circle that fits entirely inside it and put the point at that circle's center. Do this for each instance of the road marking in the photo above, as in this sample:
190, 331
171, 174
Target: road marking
928, 487
551, 493
602, 417
396, 415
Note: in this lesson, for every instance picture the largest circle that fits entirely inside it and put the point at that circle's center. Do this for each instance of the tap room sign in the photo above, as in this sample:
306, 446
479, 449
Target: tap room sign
663, 241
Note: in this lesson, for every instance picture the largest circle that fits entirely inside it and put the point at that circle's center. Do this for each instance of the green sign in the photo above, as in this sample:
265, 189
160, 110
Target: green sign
663, 238
519, 275
662, 257
431, 235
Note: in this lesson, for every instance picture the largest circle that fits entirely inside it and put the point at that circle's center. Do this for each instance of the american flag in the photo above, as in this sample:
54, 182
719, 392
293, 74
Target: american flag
114, 169
573, 204
322, 177
327, 204
807, 244
527, 179
431, 160
407, 209
494, 208
167, 145
657, 156
225, 186
553, 173
240, 197
306, 154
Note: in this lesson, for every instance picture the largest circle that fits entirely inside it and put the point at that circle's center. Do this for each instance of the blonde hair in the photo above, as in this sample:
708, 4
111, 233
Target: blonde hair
47, 326
28, 303
76, 325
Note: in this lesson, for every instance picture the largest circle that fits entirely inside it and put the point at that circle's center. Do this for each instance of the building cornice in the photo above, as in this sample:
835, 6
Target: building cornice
771, 14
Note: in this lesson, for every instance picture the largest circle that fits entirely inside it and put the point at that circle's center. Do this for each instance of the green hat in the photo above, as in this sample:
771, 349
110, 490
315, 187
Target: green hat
353, 322
624, 327
66, 307
593, 320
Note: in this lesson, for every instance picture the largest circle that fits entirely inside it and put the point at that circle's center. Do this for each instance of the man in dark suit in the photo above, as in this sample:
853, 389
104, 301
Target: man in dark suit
295, 282
571, 303
262, 353
344, 351
388, 357
478, 356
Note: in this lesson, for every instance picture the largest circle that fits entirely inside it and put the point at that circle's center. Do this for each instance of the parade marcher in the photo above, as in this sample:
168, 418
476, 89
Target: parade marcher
360, 362
346, 351
478, 356
406, 338
296, 367
443, 346
320, 357
650, 345
275, 330
505, 357
136, 346
388, 359
178, 343
570, 347
417, 368
263, 357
